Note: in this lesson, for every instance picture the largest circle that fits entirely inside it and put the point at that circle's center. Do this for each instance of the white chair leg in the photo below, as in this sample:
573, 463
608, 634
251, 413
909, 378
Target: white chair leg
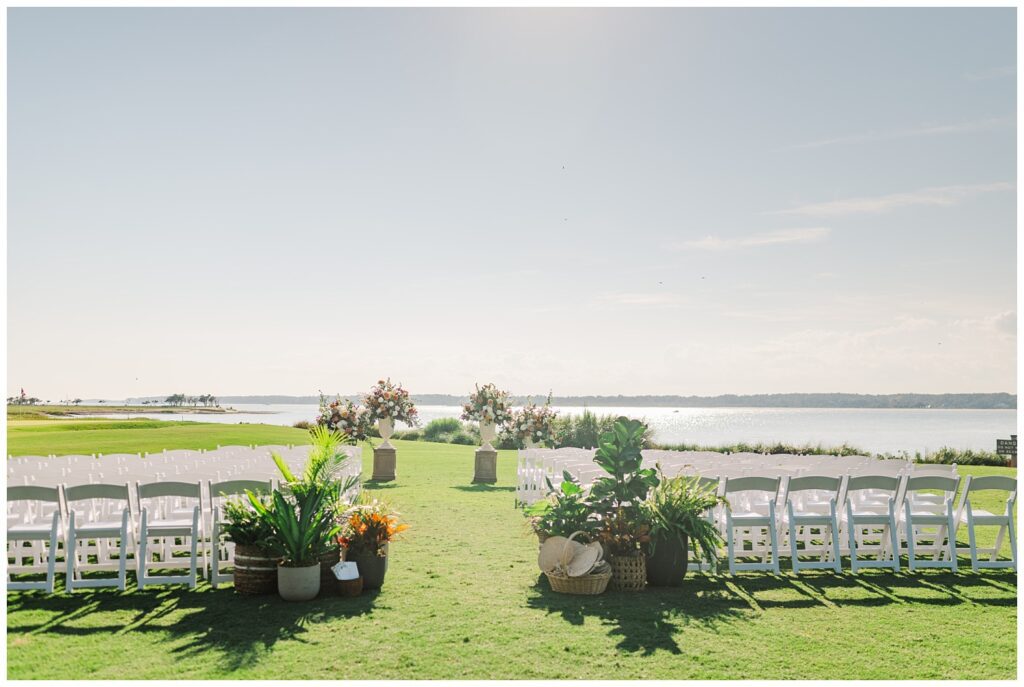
774, 538
70, 546
143, 553
51, 566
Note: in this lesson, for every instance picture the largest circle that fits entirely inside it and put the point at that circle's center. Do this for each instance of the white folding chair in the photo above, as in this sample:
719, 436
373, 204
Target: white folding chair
865, 517
713, 516
161, 519
105, 516
808, 521
976, 517
926, 519
222, 554
754, 523
29, 529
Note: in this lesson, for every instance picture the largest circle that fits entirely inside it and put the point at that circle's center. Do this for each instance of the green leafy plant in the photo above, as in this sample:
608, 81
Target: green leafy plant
244, 525
617, 498
676, 508
307, 505
564, 512
300, 525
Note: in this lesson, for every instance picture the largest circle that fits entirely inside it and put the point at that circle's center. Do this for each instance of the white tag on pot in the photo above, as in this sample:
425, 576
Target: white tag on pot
345, 570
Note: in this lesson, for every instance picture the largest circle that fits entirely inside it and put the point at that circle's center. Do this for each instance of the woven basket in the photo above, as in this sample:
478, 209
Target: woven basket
255, 571
327, 561
590, 584
629, 573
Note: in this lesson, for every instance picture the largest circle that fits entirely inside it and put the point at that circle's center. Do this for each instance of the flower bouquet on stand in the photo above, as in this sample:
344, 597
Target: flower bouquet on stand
492, 408
533, 425
351, 420
388, 403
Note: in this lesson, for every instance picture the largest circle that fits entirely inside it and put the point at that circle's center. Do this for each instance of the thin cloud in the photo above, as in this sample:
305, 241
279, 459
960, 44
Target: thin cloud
916, 132
993, 73
646, 299
769, 238
942, 196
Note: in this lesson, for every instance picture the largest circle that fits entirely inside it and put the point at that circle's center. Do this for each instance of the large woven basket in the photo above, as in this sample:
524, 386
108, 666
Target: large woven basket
590, 584
629, 573
255, 571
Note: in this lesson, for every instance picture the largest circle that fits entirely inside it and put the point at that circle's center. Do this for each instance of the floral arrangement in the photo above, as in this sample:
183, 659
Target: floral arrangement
367, 527
534, 422
488, 404
344, 416
388, 400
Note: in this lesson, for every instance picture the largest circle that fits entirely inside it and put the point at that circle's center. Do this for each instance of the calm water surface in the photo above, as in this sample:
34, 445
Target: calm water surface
875, 430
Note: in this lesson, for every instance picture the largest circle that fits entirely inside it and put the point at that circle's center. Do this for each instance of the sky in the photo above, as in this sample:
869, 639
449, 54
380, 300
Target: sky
589, 201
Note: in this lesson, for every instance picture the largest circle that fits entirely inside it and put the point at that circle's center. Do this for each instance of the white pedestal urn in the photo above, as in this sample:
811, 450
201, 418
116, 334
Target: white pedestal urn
528, 442
384, 456
485, 464
488, 433
386, 427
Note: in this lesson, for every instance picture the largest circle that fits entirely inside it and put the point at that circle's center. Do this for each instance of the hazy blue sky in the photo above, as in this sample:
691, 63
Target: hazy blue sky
590, 201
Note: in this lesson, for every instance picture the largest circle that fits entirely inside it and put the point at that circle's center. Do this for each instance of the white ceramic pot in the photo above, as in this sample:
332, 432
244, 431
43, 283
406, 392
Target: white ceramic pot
298, 584
488, 433
386, 426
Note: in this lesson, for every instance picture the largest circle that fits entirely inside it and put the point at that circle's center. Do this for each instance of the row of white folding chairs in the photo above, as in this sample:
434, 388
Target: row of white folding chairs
217, 465
100, 524
828, 516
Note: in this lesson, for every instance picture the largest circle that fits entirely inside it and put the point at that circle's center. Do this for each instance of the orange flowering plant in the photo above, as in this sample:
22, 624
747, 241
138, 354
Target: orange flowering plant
367, 527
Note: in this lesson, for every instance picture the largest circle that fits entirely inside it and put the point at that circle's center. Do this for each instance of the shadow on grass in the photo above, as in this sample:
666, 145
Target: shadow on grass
488, 488
372, 484
238, 628
646, 621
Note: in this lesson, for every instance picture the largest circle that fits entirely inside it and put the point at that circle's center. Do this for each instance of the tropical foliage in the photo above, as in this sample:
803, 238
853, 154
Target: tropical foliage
564, 512
244, 525
367, 526
675, 509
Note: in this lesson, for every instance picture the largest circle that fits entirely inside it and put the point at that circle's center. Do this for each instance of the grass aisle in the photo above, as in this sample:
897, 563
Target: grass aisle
463, 599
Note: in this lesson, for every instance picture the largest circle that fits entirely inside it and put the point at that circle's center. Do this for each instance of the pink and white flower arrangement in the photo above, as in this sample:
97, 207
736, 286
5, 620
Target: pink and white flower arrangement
349, 418
488, 404
388, 400
534, 423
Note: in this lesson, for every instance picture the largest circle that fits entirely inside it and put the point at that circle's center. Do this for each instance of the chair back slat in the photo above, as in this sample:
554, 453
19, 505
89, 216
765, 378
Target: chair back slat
235, 487
96, 491
815, 482
995, 482
48, 494
158, 489
935, 482
883, 482
752, 484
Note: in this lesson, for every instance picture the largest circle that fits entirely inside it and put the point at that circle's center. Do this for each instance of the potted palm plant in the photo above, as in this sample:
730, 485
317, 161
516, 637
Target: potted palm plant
303, 512
677, 511
300, 523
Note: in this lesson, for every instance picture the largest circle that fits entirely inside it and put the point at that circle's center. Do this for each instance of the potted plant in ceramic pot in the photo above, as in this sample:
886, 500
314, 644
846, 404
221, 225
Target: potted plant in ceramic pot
306, 506
300, 523
677, 510
618, 499
564, 512
491, 407
366, 529
255, 567
388, 403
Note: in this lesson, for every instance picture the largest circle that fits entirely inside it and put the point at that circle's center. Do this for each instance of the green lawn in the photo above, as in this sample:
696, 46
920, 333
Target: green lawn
103, 435
463, 599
